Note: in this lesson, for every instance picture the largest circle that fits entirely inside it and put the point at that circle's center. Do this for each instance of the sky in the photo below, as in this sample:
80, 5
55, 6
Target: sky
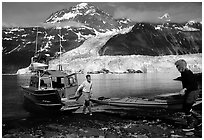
35, 13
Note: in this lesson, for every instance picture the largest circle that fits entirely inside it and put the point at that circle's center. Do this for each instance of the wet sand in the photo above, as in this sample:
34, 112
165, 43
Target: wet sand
102, 124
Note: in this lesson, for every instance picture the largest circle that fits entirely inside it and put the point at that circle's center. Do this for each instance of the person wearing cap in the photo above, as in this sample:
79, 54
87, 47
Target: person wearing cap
86, 88
189, 92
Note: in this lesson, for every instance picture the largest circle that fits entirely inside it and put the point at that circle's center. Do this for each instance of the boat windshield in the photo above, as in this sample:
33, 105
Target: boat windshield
45, 83
58, 82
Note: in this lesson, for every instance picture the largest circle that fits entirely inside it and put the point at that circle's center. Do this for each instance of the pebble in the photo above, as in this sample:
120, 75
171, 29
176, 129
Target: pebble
142, 136
104, 129
71, 136
172, 131
189, 133
175, 136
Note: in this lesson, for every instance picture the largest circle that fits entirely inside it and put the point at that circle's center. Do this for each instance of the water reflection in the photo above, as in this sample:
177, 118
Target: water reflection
145, 85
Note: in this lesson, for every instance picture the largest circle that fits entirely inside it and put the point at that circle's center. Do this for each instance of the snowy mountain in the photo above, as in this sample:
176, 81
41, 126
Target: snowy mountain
141, 48
165, 17
87, 15
86, 59
88, 32
77, 24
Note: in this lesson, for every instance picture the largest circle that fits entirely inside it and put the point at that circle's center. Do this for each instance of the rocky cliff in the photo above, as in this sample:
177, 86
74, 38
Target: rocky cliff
155, 40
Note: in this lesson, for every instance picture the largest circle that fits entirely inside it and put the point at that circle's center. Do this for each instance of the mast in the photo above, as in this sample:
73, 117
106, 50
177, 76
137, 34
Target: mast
60, 66
36, 45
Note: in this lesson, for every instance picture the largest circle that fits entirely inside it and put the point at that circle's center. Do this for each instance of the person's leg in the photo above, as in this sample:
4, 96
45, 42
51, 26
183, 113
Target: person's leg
85, 102
189, 118
189, 100
196, 115
86, 105
89, 108
84, 108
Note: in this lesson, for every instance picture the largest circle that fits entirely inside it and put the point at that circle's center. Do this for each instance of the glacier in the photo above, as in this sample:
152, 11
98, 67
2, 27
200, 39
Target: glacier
86, 59
120, 64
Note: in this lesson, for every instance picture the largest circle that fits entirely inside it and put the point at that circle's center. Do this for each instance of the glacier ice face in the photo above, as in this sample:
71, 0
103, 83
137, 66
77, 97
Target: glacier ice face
120, 64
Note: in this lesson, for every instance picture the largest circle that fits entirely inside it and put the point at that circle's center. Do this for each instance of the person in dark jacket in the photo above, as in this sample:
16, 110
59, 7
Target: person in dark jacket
189, 92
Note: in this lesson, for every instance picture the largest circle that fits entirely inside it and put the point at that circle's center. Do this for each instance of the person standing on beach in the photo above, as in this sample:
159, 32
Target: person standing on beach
86, 88
189, 92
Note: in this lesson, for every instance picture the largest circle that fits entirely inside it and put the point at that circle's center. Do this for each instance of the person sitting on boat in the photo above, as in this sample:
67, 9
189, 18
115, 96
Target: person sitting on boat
42, 84
86, 88
189, 92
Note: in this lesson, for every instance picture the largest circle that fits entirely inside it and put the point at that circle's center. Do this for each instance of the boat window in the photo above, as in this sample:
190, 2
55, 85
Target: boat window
71, 81
62, 80
58, 82
45, 83
34, 82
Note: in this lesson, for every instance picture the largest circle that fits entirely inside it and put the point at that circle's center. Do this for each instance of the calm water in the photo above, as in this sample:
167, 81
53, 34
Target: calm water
107, 85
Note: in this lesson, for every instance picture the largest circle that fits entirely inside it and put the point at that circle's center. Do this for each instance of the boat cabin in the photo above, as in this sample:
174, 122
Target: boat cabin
54, 79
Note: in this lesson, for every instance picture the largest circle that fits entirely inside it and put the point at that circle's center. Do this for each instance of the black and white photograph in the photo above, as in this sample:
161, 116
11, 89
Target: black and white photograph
101, 69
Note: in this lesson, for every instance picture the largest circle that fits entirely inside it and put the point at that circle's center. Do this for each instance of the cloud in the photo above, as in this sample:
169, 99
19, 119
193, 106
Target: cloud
63, 24
112, 4
5, 24
179, 12
137, 15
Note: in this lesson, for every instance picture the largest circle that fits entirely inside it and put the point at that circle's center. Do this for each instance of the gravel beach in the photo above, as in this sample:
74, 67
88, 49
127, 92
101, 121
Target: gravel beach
102, 124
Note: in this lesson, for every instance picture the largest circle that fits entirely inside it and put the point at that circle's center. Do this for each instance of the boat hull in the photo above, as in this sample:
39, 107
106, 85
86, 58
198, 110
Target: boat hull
41, 100
171, 103
140, 104
33, 107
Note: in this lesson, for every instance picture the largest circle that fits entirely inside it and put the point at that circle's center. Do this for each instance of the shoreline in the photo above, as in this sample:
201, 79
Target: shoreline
15, 74
101, 125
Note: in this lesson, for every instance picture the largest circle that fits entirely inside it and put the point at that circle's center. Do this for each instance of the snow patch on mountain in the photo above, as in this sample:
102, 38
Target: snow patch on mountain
16, 48
91, 46
165, 17
187, 28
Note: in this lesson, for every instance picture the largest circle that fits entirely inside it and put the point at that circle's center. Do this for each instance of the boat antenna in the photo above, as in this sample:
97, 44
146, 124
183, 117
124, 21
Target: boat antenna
60, 66
36, 45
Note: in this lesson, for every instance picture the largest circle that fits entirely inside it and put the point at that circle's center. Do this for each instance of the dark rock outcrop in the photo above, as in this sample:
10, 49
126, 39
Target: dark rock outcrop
155, 40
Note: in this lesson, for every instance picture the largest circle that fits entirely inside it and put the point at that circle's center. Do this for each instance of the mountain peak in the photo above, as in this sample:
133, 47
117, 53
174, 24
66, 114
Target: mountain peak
191, 22
81, 5
71, 13
165, 17
86, 15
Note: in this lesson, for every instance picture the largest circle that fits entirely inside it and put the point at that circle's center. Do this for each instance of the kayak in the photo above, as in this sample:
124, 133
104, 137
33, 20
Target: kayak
172, 101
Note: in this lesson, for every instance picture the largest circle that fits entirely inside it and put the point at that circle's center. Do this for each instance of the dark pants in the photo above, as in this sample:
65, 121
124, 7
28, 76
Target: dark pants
189, 100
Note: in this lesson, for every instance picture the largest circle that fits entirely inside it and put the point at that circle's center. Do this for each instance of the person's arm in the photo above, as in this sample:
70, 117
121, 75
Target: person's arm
91, 90
79, 88
182, 92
